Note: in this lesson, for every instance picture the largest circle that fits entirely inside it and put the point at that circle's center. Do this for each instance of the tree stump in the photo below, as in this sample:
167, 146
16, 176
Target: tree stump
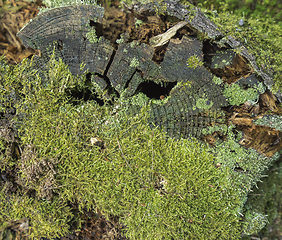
191, 81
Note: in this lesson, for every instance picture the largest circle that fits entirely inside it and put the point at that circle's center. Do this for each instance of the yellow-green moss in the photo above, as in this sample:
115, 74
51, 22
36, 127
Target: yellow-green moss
125, 178
49, 219
194, 62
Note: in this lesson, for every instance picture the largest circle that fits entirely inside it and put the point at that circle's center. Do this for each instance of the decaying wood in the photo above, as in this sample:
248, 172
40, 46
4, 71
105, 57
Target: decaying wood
195, 102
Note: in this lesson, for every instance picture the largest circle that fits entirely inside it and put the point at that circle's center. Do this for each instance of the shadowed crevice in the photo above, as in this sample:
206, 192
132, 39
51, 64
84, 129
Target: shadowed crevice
156, 91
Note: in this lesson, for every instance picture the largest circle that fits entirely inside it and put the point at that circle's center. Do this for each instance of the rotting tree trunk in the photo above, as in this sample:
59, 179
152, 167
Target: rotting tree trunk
163, 59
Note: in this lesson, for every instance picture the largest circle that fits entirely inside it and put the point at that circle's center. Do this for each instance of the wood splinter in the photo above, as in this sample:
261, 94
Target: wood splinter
162, 39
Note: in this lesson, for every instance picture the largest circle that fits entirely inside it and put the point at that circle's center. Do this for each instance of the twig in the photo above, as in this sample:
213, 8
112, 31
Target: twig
17, 43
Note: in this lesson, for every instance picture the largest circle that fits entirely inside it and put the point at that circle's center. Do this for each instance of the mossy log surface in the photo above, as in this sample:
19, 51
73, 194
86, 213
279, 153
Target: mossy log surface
193, 82
187, 99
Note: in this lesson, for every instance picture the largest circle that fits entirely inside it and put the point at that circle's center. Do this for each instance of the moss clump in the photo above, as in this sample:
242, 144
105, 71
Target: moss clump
194, 62
159, 187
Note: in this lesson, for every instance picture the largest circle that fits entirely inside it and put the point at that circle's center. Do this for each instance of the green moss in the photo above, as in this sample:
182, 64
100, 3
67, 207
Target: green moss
49, 219
194, 62
160, 188
250, 8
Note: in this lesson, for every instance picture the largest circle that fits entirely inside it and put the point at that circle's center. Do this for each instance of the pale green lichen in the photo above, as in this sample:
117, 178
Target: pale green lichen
138, 22
222, 128
120, 41
266, 199
236, 95
247, 164
217, 80
273, 121
260, 87
254, 222
133, 44
91, 35
123, 38
203, 103
134, 63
